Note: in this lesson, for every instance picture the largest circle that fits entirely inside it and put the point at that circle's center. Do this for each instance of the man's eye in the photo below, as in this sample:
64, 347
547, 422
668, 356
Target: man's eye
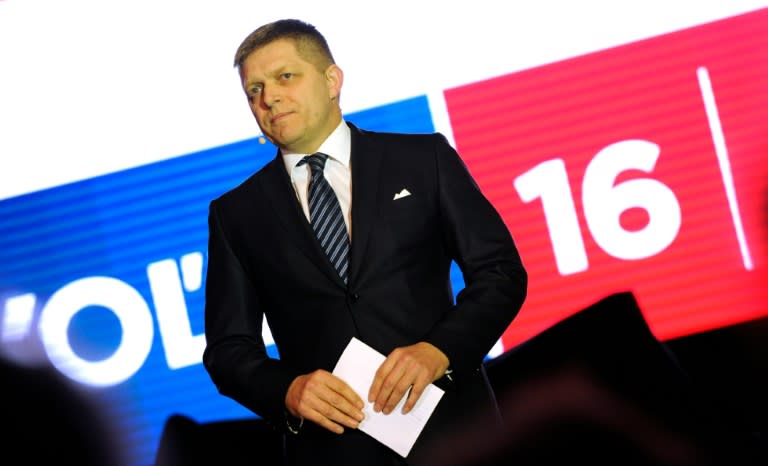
286, 76
254, 90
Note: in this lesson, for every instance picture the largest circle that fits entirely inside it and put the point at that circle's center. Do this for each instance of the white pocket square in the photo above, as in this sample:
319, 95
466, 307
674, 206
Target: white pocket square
401, 194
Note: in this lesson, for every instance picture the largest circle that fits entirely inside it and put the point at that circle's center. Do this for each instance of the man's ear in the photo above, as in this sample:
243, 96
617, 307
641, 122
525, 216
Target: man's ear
334, 78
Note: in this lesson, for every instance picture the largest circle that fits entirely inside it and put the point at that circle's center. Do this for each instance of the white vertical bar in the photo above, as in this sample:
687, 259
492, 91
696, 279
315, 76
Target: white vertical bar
440, 118
723, 159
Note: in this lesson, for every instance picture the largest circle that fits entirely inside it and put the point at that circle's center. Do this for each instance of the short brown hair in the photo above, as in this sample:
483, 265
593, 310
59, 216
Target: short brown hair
310, 44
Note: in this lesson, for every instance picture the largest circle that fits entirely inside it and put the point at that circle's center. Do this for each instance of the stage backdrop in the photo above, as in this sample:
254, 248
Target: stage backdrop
620, 158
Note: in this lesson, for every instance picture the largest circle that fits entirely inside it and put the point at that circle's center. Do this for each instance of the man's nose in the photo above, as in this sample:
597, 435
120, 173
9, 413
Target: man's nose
270, 95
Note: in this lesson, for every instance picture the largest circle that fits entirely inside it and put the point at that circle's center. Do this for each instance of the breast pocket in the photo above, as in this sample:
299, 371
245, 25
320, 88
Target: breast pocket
409, 221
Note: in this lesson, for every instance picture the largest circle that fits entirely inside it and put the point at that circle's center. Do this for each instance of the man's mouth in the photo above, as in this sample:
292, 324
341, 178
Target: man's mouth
279, 117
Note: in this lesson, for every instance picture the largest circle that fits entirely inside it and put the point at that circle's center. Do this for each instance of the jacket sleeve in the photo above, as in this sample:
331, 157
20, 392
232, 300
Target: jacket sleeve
480, 243
235, 355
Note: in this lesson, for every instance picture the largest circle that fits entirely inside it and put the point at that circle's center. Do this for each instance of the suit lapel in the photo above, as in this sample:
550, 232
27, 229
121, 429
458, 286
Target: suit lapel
279, 190
366, 162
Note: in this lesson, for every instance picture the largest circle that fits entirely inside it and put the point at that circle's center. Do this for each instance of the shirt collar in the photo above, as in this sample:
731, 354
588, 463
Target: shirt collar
337, 146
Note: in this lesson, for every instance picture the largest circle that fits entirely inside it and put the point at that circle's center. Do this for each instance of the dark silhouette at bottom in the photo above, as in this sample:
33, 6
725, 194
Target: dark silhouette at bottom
596, 388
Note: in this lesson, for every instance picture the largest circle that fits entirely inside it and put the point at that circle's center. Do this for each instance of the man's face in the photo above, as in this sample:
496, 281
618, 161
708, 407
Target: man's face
295, 104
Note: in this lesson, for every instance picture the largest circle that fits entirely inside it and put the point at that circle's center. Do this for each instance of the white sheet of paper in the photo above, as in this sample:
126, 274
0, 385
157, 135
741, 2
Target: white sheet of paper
357, 366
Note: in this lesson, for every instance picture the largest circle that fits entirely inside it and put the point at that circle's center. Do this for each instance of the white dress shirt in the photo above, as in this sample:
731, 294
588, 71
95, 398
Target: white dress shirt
337, 171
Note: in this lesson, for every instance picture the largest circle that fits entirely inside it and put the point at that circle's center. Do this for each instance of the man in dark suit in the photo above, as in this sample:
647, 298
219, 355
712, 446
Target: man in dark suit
410, 207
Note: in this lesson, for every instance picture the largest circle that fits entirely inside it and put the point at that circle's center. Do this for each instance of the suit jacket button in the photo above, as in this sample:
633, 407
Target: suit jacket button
354, 297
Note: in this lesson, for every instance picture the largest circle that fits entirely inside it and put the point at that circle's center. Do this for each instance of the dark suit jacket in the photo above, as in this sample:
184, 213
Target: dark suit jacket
263, 259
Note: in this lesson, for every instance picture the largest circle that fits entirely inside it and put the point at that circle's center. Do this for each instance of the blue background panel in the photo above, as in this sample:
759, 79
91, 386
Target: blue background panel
116, 226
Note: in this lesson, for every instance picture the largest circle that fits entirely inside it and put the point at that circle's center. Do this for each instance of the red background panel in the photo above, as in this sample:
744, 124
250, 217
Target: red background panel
648, 91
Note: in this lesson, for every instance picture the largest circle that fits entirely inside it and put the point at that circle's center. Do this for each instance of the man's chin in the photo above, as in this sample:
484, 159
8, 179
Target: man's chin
281, 139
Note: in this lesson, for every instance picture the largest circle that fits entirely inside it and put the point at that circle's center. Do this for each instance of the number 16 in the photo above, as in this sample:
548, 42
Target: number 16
603, 202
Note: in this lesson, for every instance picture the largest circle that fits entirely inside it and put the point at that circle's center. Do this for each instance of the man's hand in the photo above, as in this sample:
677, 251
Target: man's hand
407, 368
324, 399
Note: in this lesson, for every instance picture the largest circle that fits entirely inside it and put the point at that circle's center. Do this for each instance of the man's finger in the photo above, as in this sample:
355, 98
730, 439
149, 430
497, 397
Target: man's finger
349, 411
378, 380
332, 411
413, 396
323, 421
348, 398
397, 394
394, 385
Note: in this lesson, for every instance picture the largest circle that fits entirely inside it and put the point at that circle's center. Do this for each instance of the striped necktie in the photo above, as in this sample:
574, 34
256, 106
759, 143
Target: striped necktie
326, 216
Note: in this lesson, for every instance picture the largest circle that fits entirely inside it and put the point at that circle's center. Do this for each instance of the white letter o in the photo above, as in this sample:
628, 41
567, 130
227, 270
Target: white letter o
128, 306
